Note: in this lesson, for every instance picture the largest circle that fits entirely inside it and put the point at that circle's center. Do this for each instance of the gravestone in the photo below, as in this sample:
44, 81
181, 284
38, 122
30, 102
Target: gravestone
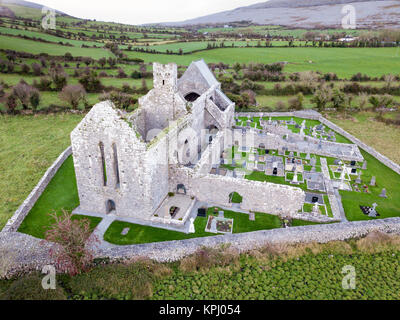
373, 182
383, 193
191, 227
308, 156
313, 161
221, 214
337, 162
358, 180
364, 166
295, 180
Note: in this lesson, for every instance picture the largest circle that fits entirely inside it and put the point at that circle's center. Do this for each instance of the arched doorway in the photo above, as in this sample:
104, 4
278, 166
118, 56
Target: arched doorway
110, 206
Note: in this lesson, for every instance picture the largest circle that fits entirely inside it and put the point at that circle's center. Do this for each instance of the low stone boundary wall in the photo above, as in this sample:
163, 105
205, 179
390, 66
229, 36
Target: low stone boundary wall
176, 250
29, 253
313, 115
15, 221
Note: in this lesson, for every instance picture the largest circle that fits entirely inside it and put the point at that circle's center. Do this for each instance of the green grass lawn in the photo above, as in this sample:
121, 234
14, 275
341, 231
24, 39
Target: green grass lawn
386, 178
61, 193
28, 147
143, 234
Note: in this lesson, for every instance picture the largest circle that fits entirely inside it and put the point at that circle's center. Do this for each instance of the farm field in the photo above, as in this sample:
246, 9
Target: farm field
49, 48
343, 61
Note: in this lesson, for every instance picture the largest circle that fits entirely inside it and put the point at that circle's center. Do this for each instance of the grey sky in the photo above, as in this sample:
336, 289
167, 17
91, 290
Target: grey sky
143, 11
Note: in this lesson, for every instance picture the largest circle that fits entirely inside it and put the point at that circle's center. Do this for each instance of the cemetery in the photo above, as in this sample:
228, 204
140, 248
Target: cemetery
250, 172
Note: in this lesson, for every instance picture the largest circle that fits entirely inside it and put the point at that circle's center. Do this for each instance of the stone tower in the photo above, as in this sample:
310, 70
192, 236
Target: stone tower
163, 103
165, 77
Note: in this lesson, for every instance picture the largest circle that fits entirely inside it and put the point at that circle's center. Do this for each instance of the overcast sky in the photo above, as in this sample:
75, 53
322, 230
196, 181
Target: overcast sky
143, 11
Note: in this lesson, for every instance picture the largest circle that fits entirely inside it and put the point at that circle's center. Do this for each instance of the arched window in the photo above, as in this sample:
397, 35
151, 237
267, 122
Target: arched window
103, 163
116, 166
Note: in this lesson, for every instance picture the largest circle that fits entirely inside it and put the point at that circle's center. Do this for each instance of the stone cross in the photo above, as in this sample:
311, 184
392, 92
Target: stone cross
372, 212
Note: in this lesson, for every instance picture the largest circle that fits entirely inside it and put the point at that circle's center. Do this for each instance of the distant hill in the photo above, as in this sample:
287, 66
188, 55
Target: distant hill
24, 9
307, 14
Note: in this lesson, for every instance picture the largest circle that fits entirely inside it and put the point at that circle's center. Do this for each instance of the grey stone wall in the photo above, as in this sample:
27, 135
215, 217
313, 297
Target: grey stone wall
257, 196
15, 221
176, 250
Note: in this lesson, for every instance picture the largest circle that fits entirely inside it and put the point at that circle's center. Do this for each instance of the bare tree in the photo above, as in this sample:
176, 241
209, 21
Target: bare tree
73, 94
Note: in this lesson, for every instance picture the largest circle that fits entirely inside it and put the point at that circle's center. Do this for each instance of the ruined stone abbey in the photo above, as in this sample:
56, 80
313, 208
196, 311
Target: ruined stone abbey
153, 165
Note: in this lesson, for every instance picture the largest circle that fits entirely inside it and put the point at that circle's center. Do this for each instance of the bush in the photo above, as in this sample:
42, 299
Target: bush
281, 106
121, 74
207, 258
91, 82
36, 69
59, 77
121, 100
43, 85
73, 94
34, 98
25, 68
296, 103
30, 288
132, 280
73, 239
11, 102
22, 92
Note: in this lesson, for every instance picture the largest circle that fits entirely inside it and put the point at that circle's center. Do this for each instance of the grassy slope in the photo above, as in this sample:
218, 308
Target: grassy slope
28, 146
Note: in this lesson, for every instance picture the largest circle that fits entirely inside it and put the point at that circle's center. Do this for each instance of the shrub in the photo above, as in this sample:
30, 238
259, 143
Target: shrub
2, 93
207, 258
121, 100
321, 97
281, 106
30, 288
34, 98
25, 68
11, 102
121, 74
43, 85
22, 92
59, 77
36, 69
103, 74
131, 280
73, 94
296, 103
73, 239
91, 82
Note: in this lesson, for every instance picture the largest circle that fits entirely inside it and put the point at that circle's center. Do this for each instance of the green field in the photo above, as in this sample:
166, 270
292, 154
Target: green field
343, 61
35, 47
